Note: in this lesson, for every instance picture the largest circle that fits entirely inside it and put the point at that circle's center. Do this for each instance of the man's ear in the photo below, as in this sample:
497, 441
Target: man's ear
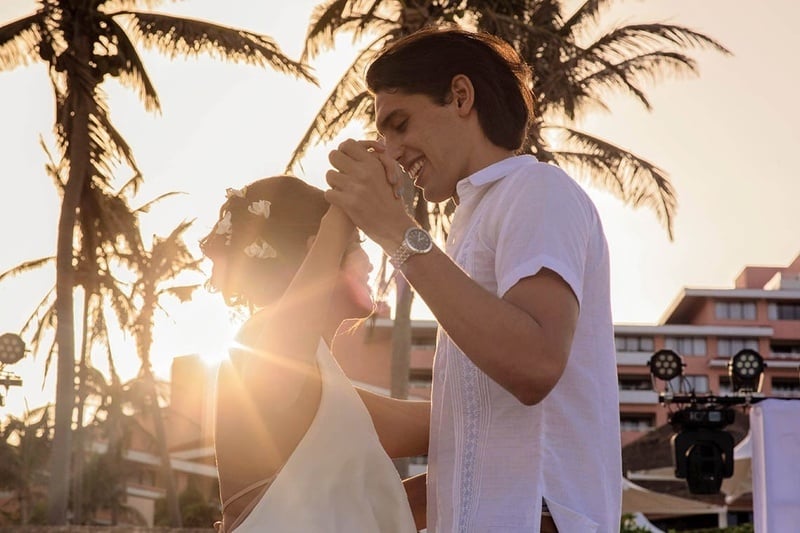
463, 93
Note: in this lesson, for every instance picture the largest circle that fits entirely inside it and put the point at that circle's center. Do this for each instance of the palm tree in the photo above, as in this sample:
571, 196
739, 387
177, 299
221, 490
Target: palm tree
576, 67
82, 42
167, 260
107, 228
115, 418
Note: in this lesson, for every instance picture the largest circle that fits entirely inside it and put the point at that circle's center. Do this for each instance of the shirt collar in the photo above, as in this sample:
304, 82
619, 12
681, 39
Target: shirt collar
490, 174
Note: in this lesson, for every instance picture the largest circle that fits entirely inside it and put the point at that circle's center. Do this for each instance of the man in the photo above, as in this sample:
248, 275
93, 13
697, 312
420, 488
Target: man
524, 428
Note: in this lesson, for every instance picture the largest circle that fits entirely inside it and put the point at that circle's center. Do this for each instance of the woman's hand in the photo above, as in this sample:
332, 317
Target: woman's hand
364, 183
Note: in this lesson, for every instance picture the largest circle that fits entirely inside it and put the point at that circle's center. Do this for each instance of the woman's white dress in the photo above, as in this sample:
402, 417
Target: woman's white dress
339, 478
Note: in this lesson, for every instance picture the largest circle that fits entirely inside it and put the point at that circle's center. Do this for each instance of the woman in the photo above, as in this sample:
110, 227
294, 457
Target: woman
296, 445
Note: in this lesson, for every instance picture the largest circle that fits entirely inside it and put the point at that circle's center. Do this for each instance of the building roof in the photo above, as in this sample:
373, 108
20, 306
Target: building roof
688, 300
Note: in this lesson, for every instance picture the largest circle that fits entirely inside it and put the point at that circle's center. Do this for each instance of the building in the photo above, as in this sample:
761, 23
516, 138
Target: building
707, 327
704, 326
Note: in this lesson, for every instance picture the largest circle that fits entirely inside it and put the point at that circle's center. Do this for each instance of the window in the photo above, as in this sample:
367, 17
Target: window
686, 384
636, 422
785, 351
686, 345
725, 387
786, 387
423, 341
626, 343
635, 382
727, 347
143, 477
735, 310
784, 311
420, 377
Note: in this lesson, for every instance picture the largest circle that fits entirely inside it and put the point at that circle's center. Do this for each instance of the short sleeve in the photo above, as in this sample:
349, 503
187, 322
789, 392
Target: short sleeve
545, 220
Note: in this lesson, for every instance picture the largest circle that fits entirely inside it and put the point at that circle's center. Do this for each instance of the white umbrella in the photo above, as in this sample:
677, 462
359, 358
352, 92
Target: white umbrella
637, 499
741, 482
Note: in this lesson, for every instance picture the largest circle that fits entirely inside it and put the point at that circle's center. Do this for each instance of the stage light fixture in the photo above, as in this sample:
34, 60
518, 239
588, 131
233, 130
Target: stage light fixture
12, 348
746, 370
665, 365
703, 451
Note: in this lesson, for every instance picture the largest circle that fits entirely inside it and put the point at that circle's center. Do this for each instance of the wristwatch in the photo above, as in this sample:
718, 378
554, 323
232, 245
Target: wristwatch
415, 241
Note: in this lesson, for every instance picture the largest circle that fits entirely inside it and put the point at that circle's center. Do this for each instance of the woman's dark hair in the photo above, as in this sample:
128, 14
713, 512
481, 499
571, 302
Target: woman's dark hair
262, 233
426, 61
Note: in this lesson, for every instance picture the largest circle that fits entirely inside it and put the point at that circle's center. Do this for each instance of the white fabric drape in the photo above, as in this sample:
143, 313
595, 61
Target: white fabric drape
775, 429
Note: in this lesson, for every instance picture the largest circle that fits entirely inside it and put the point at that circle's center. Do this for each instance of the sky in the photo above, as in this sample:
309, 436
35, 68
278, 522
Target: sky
725, 137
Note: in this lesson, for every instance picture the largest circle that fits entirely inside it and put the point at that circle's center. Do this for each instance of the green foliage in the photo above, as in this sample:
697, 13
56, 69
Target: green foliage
628, 525
196, 511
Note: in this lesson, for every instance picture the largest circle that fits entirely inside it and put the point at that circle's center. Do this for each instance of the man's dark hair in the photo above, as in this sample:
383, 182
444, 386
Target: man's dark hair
426, 61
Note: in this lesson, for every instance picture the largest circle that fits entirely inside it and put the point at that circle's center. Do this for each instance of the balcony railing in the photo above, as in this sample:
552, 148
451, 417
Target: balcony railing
649, 397
633, 358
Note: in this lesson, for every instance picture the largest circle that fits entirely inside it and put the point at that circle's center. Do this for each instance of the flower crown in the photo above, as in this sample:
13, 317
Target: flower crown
258, 249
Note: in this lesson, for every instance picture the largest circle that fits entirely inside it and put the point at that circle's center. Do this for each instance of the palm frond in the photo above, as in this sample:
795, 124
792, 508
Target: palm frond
338, 17
118, 5
635, 181
182, 293
56, 171
586, 14
130, 69
39, 315
638, 39
325, 19
188, 37
107, 146
145, 207
625, 75
27, 266
19, 41
349, 99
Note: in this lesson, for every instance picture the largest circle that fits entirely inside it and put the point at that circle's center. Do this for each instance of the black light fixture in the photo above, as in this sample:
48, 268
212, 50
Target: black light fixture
665, 365
746, 370
12, 349
703, 450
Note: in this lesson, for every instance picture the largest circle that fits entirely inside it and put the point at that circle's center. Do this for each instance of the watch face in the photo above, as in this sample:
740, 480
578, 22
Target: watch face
419, 240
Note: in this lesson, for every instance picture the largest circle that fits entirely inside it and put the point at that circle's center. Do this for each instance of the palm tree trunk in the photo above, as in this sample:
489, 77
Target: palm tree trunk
401, 351
166, 467
58, 490
401, 332
78, 444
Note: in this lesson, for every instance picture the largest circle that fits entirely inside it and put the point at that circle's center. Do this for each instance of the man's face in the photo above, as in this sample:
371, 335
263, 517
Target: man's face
425, 138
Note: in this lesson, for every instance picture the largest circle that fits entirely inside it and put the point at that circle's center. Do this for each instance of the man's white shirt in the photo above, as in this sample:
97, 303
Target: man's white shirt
492, 459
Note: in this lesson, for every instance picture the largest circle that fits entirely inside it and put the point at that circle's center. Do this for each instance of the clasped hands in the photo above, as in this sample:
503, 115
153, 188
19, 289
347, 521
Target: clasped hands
367, 184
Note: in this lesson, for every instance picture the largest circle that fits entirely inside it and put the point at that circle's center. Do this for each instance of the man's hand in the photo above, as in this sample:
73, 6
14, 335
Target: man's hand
364, 183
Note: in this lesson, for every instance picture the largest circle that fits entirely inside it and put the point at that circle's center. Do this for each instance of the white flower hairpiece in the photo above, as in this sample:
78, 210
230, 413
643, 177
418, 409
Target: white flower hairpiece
225, 227
260, 249
260, 207
231, 192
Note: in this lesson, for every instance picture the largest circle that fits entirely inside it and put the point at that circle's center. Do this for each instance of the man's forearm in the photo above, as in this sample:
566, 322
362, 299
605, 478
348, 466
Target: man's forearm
506, 340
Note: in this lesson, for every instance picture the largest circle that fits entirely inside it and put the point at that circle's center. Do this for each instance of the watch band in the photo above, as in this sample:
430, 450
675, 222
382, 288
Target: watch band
400, 255
415, 241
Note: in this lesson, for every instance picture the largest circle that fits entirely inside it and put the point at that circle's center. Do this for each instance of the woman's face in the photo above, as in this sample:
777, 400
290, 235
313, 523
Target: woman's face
352, 287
